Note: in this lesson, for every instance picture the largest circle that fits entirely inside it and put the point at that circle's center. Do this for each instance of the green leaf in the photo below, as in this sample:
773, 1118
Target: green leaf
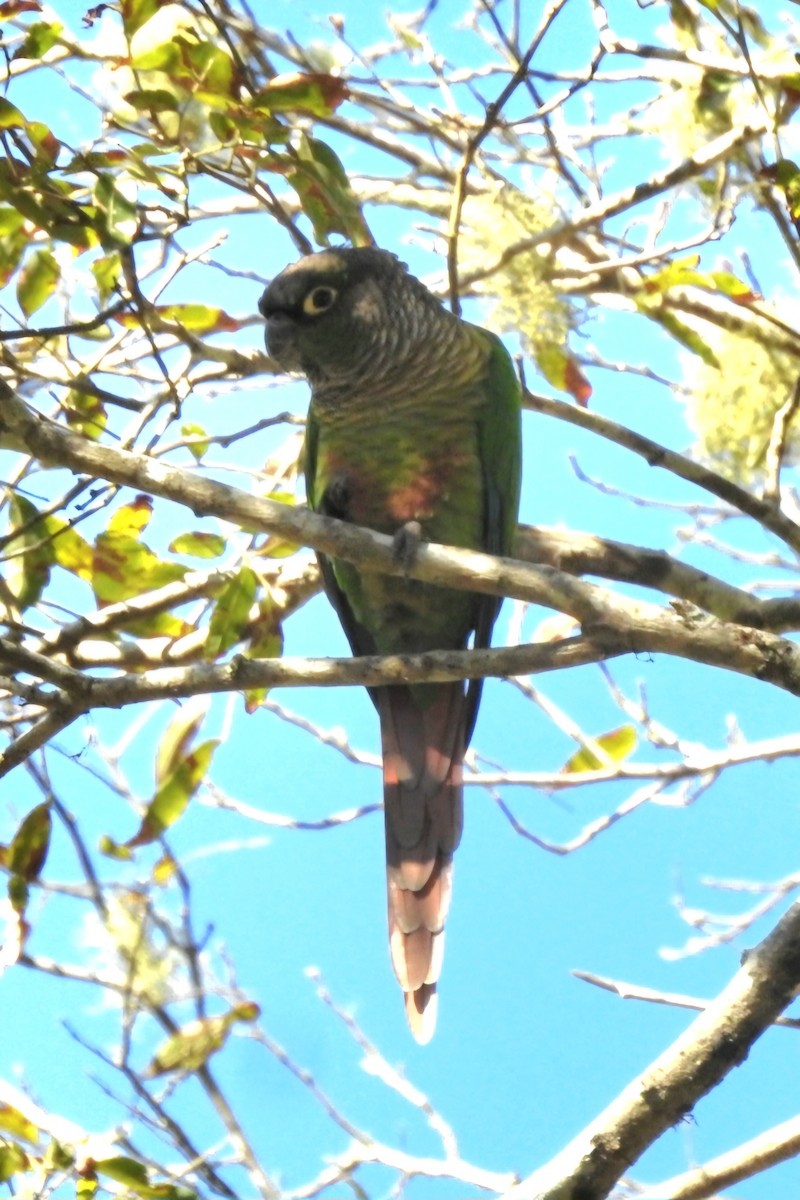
10, 221
70, 550
231, 614
30, 553
113, 849
618, 744
136, 12
18, 893
106, 271
196, 448
12, 1160
193, 1045
199, 544
684, 334
10, 116
119, 212
39, 38
37, 281
191, 1048
178, 736
124, 1170
27, 852
787, 176
180, 769
153, 100
85, 414
169, 803
266, 642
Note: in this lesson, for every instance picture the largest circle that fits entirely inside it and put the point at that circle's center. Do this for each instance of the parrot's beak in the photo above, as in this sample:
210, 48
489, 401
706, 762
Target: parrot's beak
281, 338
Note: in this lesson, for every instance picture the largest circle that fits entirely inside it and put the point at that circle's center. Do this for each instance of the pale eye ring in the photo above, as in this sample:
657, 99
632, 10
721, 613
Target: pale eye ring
319, 300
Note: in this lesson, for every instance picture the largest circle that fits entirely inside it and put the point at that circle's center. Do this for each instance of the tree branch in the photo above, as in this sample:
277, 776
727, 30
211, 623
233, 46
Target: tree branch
716, 1042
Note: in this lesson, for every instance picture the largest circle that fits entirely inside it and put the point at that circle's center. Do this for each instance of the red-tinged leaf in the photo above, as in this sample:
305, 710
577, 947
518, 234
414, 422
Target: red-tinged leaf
122, 565
738, 291
559, 368
131, 519
618, 744
247, 1011
12, 8
576, 383
27, 852
312, 92
324, 190
198, 318
37, 281
14, 1122
44, 142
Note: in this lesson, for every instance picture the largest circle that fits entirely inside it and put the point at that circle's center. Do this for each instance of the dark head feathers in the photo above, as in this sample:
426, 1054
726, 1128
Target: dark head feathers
330, 314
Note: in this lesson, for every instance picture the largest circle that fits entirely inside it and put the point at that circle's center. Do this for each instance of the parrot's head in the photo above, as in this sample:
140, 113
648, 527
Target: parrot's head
344, 314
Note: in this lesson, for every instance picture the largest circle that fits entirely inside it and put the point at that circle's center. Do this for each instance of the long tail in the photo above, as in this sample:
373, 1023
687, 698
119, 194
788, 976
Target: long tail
423, 752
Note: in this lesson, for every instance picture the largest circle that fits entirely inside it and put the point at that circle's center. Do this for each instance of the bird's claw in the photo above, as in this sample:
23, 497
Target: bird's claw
406, 543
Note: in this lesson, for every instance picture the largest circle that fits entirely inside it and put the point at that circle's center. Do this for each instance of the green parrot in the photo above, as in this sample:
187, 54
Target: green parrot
414, 431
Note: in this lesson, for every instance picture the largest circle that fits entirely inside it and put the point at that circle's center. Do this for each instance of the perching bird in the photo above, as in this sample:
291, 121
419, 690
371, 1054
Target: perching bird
413, 430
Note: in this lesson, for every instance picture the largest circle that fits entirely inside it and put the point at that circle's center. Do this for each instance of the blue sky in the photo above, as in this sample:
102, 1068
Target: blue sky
525, 1054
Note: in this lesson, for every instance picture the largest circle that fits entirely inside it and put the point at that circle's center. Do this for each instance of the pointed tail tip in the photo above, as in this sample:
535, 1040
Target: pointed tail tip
422, 1006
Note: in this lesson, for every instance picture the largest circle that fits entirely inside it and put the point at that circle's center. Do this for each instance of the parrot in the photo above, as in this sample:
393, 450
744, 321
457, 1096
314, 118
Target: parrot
413, 431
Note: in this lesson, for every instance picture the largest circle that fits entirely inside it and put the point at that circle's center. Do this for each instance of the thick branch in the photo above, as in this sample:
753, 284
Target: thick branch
716, 1042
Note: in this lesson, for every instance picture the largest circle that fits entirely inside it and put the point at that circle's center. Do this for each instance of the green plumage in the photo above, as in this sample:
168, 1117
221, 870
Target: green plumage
413, 429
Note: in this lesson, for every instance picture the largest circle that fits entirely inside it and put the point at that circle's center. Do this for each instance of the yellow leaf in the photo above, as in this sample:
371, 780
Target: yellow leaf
618, 744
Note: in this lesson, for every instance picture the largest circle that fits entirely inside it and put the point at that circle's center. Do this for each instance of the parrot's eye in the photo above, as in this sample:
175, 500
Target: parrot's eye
318, 300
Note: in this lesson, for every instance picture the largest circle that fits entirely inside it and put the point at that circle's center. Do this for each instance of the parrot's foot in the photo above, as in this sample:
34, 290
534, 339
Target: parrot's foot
407, 542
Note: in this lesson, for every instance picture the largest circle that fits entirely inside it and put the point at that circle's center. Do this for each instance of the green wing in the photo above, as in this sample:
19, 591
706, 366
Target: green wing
501, 454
